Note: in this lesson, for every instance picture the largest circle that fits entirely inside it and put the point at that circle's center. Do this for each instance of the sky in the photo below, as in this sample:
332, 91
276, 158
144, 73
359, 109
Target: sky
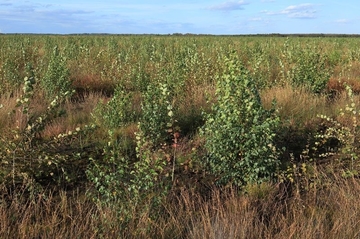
218, 17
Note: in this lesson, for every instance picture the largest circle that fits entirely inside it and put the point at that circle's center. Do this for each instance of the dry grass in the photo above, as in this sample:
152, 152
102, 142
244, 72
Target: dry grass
61, 216
77, 113
337, 85
330, 208
12, 117
85, 84
8, 104
327, 212
296, 105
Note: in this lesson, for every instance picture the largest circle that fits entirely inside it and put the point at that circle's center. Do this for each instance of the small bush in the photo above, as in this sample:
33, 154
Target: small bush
239, 132
57, 77
138, 181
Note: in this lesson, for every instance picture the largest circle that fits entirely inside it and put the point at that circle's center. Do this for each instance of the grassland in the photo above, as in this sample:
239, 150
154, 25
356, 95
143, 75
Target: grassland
108, 137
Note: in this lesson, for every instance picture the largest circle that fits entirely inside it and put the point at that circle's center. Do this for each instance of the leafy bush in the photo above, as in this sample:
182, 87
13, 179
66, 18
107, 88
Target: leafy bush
57, 77
131, 179
155, 128
157, 113
117, 112
110, 173
239, 132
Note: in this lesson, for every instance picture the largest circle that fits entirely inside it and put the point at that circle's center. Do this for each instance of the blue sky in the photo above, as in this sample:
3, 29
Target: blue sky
185, 16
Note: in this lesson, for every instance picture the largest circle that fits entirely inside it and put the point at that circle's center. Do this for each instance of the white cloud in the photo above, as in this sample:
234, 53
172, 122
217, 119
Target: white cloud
229, 6
302, 11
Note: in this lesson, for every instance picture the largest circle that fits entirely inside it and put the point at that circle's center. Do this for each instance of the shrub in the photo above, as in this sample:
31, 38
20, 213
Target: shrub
110, 173
239, 132
156, 126
57, 77
157, 113
117, 112
124, 180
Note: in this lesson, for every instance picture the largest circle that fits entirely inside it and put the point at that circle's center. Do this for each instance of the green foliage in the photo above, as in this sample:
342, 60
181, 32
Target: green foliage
155, 128
157, 113
306, 66
10, 72
121, 176
148, 174
57, 77
110, 174
239, 132
117, 112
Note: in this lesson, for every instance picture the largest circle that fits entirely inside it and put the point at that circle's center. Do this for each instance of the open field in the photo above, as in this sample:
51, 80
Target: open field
179, 136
